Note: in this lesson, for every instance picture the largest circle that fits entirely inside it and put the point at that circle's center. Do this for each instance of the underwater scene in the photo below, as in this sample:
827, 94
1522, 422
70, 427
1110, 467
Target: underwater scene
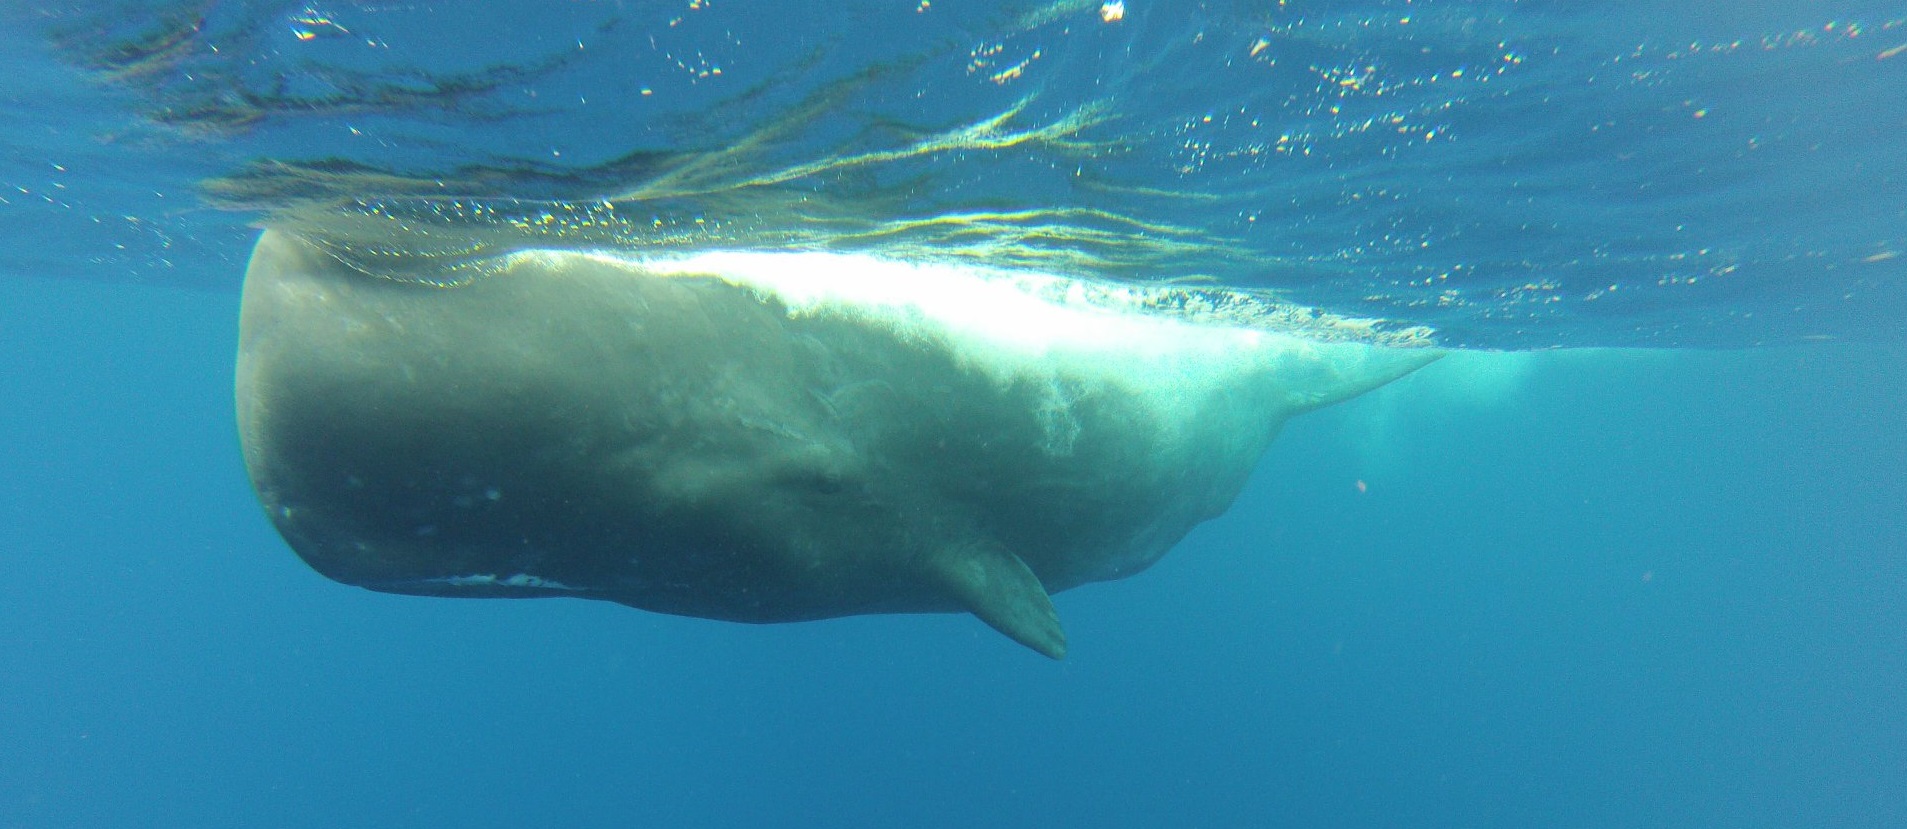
940, 413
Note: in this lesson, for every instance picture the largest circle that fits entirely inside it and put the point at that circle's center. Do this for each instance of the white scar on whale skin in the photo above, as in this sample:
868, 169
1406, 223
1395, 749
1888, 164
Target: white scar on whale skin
753, 436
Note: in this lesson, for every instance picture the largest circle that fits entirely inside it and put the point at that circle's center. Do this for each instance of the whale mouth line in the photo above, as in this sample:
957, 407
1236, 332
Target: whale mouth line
519, 580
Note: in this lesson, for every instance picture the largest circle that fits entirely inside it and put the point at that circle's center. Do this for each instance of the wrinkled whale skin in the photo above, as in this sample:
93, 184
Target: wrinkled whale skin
573, 425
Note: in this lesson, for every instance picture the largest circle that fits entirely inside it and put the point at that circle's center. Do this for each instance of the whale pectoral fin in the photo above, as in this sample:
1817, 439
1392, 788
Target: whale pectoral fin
998, 587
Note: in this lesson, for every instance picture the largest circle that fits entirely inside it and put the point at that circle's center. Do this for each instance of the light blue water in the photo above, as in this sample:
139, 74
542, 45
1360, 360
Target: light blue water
1591, 588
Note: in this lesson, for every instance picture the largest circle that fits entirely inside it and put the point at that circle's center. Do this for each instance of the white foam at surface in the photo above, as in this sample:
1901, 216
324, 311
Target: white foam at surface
989, 316
1066, 339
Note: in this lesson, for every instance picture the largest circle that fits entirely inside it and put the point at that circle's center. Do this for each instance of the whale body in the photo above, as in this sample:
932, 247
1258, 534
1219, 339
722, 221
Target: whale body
757, 437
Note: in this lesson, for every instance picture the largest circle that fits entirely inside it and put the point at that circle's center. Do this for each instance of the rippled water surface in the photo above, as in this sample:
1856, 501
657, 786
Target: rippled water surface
1507, 174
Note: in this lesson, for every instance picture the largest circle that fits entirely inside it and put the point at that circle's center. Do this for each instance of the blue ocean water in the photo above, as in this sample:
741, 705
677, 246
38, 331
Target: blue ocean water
1601, 586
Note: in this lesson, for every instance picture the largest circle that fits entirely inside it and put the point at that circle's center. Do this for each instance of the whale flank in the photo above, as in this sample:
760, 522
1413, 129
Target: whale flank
755, 437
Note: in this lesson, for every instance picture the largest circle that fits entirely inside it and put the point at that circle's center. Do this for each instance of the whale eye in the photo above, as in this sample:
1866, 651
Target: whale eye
818, 475
818, 481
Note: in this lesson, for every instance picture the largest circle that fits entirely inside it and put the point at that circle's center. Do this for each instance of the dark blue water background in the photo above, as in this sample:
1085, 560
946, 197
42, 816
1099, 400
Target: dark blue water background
1618, 589
1569, 588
